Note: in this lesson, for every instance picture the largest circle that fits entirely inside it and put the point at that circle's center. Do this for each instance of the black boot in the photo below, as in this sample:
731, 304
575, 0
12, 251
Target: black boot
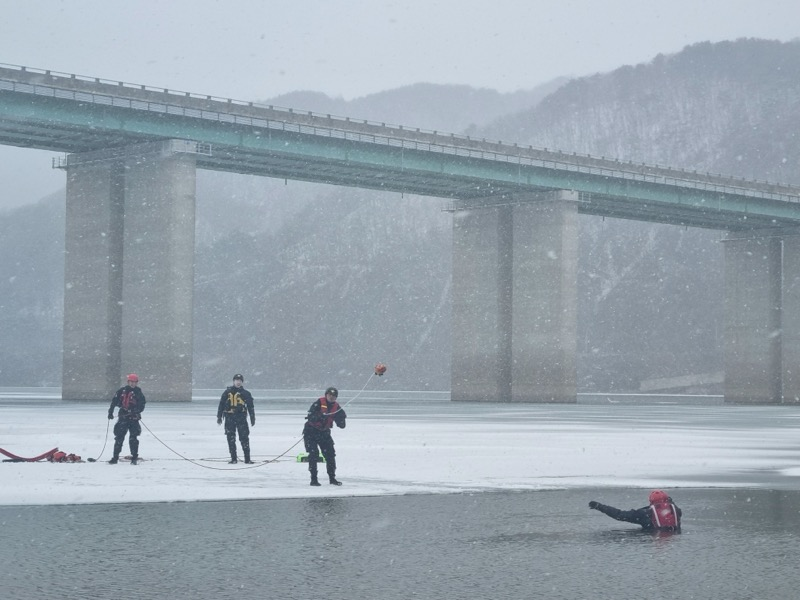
133, 442
312, 467
117, 449
246, 450
331, 468
232, 450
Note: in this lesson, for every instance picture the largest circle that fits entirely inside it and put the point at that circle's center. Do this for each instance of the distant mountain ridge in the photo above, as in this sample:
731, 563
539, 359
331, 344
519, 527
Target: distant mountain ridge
434, 107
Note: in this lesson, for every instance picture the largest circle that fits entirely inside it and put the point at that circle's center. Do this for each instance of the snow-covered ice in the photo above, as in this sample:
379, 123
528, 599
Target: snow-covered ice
400, 447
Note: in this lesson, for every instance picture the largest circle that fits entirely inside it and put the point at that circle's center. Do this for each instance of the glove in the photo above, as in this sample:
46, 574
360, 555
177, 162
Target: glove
252, 421
110, 415
219, 420
593, 505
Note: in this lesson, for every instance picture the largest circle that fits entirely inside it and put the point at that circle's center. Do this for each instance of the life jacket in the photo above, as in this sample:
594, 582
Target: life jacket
664, 515
324, 420
128, 401
235, 402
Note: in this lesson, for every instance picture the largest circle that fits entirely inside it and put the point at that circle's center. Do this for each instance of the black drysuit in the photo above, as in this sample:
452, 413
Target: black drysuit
236, 403
317, 434
131, 403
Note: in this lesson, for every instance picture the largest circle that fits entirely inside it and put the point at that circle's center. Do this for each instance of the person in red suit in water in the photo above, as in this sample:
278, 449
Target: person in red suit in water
662, 514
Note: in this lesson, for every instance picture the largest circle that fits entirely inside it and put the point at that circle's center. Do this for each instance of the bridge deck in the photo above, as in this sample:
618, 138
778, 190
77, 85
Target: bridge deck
66, 113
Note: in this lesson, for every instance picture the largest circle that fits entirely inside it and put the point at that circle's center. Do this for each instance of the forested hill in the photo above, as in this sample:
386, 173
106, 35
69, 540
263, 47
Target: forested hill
729, 107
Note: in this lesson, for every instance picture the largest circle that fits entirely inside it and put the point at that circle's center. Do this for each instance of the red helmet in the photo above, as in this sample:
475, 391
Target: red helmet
133, 377
657, 496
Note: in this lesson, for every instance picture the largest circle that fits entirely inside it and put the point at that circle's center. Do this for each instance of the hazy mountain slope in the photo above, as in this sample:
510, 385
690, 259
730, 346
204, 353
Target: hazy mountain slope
355, 278
730, 107
32, 293
449, 108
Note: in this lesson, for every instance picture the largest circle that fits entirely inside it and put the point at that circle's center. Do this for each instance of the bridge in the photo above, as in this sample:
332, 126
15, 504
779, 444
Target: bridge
132, 152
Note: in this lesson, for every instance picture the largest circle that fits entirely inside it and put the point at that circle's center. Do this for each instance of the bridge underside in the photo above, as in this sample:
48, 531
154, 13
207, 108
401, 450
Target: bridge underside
130, 267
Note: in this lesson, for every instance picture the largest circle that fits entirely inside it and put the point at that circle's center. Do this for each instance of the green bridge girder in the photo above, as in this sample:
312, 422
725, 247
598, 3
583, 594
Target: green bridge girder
65, 114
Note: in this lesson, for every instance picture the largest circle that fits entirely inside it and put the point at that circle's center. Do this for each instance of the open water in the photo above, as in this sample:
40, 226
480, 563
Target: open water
736, 544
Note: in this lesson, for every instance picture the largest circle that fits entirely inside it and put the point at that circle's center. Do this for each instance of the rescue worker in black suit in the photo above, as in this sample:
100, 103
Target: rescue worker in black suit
236, 404
317, 433
130, 401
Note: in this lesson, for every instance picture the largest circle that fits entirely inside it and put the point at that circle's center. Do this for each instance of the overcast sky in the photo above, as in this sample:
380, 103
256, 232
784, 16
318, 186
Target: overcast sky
255, 50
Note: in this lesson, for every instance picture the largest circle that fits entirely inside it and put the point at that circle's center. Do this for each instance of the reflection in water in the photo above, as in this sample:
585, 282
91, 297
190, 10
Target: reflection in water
734, 545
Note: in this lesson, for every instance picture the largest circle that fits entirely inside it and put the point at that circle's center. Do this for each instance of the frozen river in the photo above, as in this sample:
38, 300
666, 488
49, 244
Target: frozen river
439, 499
736, 545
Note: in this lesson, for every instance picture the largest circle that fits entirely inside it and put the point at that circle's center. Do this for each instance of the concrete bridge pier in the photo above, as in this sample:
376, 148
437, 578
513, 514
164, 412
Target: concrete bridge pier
129, 271
762, 317
515, 299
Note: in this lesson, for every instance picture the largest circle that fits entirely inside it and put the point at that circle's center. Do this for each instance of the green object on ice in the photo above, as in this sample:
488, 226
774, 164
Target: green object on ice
303, 458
